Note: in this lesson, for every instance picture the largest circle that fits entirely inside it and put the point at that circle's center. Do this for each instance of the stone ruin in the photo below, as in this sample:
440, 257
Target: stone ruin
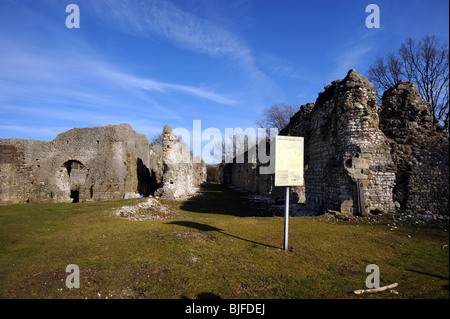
420, 150
360, 158
94, 164
181, 172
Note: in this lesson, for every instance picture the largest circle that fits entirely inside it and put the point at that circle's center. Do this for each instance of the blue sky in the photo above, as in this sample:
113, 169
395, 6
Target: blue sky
153, 62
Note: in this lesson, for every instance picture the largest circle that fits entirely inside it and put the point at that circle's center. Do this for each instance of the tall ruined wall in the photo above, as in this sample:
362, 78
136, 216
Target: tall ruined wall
348, 166
360, 158
17, 180
180, 173
156, 166
420, 150
94, 164
200, 173
99, 163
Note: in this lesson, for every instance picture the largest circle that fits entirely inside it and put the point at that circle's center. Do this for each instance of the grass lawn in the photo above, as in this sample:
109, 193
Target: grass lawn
217, 244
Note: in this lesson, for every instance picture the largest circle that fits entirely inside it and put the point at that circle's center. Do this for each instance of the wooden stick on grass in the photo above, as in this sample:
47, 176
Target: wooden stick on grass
375, 290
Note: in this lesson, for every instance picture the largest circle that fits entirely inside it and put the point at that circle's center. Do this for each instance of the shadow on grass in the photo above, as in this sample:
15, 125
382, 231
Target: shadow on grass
205, 227
219, 199
427, 274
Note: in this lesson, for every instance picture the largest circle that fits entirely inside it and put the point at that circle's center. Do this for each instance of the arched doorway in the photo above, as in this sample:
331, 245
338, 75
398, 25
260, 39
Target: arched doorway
77, 176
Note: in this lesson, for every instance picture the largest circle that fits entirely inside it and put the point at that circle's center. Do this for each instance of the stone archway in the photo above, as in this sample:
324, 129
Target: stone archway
77, 179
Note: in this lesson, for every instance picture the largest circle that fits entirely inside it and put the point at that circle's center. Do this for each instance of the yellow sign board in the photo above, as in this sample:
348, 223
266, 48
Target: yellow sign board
289, 160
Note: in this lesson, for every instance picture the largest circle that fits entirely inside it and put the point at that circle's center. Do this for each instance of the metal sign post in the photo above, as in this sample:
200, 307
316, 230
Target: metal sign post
288, 170
286, 220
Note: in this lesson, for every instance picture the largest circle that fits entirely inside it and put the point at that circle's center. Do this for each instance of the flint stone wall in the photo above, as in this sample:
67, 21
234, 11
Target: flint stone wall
348, 167
420, 150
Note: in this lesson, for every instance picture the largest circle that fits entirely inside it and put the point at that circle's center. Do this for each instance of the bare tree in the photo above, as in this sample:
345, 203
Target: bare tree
426, 64
231, 146
157, 139
386, 74
277, 116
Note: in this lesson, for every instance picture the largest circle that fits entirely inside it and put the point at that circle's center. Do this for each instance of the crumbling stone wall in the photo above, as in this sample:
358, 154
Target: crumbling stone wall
16, 178
99, 163
83, 164
156, 166
420, 150
200, 172
181, 173
348, 166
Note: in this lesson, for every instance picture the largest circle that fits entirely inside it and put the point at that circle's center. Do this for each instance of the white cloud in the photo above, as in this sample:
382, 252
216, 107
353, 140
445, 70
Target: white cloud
82, 79
350, 54
349, 59
152, 85
53, 82
281, 67
162, 19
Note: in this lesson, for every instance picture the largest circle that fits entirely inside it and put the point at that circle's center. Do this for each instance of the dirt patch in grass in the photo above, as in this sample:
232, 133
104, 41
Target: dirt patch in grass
193, 235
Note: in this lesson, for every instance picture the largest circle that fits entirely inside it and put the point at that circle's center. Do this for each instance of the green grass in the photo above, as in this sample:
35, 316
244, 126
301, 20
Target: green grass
217, 244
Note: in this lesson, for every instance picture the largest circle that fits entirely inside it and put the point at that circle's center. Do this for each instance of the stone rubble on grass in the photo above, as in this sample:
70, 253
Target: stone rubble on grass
299, 210
148, 210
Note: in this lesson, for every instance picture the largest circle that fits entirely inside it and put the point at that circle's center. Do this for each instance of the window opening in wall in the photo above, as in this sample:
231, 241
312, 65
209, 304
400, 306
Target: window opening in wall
75, 195
74, 165
349, 163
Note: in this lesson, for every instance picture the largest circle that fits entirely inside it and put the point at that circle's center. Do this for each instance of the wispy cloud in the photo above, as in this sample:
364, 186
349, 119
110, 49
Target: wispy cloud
40, 70
156, 19
68, 78
162, 18
349, 59
40, 87
281, 67
351, 53
152, 85
50, 81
